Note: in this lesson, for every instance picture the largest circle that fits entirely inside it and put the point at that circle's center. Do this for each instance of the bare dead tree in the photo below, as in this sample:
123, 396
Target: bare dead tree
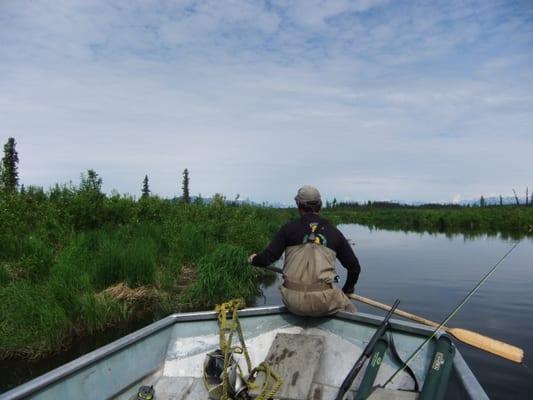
527, 195
516, 198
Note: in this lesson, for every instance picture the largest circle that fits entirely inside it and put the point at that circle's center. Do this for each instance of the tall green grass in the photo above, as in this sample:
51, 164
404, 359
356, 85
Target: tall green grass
132, 260
225, 274
33, 323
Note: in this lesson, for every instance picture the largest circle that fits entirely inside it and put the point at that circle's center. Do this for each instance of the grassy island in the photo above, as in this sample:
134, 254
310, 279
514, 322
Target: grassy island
74, 261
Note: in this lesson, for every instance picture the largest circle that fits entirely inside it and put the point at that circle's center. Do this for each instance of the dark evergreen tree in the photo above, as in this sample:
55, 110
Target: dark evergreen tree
482, 202
146, 188
185, 187
9, 172
501, 200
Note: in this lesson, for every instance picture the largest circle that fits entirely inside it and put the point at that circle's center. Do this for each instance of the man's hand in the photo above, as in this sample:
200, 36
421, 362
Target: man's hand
251, 258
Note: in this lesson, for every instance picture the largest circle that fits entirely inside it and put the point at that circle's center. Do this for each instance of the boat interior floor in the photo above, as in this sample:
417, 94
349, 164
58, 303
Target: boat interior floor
312, 363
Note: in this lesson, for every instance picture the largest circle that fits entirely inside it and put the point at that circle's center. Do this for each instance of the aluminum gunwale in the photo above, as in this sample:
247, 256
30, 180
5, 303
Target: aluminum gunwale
469, 382
464, 373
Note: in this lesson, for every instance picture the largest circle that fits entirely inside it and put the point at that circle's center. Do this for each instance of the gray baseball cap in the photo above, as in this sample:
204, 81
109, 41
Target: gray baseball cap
308, 195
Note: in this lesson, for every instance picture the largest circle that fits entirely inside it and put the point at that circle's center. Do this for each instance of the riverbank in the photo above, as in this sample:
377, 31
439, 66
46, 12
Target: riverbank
76, 263
511, 221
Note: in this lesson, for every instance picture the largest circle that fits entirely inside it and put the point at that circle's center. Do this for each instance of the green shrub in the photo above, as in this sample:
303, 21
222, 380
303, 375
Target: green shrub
37, 258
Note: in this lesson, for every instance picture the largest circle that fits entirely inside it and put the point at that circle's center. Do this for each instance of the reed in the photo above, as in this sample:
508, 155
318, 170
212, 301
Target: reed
224, 274
33, 323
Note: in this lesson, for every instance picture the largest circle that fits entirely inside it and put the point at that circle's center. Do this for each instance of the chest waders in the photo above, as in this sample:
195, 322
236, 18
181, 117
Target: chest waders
308, 275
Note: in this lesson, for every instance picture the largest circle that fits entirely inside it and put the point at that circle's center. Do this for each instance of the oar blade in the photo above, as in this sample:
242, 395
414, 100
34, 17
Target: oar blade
474, 339
490, 345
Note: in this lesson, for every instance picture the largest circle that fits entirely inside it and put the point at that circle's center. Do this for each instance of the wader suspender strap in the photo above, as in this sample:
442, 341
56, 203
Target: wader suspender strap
397, 358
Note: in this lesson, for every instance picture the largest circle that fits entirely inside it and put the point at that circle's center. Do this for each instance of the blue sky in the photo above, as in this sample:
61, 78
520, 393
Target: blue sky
369, 99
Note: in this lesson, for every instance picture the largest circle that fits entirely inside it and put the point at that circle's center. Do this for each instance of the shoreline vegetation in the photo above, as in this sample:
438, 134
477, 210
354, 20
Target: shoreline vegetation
508, 221
75, 262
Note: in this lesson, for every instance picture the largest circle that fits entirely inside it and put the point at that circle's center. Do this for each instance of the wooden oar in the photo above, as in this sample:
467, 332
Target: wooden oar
474, 339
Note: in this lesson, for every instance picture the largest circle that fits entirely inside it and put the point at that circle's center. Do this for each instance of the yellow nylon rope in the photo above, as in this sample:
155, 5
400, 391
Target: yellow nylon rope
225, 345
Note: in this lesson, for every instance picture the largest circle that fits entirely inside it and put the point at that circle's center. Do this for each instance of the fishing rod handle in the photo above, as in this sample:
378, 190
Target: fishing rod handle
381, 330
385, 324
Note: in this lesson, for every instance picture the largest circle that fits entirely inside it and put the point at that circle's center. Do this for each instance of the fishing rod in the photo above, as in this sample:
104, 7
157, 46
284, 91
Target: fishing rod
455, 310
365, 355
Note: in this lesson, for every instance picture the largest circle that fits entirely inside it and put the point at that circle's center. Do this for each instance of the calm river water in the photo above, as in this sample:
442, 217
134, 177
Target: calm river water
431, 273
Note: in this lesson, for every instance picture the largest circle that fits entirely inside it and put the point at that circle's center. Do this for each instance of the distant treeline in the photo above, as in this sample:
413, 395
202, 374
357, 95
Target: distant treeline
506, 220
525, 202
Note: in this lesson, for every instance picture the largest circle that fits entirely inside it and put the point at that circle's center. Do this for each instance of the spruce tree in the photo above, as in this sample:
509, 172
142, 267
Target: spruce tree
146, 188
9, 173
185, 197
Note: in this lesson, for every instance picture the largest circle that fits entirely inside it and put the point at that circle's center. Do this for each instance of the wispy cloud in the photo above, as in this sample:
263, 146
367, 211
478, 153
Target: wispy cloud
367, 99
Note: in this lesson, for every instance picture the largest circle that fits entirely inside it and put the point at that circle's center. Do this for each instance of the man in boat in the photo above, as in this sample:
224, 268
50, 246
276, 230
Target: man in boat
311, 245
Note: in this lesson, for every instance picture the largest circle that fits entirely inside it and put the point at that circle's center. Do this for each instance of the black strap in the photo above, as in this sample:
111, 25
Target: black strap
397, 358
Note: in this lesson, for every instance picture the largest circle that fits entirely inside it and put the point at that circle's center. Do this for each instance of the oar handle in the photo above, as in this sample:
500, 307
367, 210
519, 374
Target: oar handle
471, 338
399, 312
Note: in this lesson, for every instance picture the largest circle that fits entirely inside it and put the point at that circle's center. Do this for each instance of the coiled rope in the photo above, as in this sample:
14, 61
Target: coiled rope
272, 380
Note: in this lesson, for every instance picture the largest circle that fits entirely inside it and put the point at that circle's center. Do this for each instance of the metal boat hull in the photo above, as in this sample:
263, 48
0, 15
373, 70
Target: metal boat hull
169, 354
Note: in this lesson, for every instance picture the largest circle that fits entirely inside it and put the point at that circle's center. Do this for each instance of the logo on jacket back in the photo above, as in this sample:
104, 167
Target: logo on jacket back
314, 236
